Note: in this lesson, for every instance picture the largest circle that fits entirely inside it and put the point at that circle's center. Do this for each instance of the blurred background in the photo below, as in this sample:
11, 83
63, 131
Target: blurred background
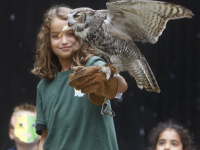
174, 60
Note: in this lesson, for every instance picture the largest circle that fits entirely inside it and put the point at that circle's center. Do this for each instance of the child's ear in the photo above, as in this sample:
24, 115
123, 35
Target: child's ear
13, 120
11, 134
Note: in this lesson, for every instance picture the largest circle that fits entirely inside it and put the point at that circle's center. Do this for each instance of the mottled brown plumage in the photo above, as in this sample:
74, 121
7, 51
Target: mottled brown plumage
112, 32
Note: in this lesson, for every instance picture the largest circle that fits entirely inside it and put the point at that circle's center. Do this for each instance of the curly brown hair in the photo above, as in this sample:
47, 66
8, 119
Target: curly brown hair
47, 63
185, 137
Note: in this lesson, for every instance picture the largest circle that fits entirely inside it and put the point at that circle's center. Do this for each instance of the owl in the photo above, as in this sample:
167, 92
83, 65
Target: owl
112, 33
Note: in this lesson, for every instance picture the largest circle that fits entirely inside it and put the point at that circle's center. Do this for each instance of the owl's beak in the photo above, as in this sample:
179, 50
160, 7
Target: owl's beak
70, 24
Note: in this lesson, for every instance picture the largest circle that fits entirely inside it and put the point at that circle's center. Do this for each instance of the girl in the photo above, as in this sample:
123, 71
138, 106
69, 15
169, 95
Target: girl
170, 136
66, 119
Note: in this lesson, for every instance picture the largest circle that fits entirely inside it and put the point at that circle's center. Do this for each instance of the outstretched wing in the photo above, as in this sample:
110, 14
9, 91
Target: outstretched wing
142, 21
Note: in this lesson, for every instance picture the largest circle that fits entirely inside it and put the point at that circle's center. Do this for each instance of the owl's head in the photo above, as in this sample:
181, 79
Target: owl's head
78, 18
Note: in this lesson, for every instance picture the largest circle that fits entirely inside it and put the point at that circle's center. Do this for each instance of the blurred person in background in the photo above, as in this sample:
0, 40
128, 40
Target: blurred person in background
170, 136
22, 128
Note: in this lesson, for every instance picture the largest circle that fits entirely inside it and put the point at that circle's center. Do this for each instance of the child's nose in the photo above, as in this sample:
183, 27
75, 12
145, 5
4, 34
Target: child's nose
167, 146
64, 39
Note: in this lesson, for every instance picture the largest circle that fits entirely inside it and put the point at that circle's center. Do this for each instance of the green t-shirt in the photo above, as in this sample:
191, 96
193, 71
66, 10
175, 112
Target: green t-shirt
72, 121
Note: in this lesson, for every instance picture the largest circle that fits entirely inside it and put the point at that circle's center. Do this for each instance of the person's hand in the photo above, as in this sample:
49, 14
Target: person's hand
92, 81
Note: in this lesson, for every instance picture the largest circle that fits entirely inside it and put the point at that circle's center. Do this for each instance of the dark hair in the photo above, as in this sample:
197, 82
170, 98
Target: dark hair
185, 137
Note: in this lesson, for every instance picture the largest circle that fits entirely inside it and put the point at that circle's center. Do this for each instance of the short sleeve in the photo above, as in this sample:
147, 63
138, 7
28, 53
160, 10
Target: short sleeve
98, 62
95, 61
40, 120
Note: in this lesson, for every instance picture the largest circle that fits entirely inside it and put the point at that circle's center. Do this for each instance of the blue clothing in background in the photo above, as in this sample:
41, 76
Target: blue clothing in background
14, 148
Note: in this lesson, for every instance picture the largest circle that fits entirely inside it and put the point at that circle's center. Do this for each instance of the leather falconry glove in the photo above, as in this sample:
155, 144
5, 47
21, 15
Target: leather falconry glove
92, 81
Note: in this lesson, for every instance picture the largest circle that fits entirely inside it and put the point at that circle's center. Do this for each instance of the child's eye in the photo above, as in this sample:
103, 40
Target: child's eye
175, 144
72, 33
161, 143
55, 36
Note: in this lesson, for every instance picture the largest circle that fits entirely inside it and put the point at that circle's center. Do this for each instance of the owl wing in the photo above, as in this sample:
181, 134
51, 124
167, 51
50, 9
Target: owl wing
142, 21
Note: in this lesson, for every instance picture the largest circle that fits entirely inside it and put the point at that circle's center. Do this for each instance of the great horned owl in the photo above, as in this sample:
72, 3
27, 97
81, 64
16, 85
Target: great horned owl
112, 32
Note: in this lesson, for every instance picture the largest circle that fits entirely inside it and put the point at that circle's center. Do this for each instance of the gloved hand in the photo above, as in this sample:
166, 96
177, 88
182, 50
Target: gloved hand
90, 80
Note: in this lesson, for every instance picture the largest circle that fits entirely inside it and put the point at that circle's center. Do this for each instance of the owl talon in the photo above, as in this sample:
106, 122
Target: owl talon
105, 70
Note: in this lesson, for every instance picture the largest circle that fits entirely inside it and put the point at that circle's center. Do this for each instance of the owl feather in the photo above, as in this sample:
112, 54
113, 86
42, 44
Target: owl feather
112, 32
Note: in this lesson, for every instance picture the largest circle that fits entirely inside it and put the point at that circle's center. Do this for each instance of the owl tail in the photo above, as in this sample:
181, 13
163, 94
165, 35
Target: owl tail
143, 75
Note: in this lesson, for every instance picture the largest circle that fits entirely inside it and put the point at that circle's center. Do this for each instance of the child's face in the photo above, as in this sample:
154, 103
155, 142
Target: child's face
169, 140
23, 131
65, 46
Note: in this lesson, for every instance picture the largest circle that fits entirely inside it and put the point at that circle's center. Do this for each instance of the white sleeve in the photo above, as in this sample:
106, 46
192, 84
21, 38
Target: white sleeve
118, 95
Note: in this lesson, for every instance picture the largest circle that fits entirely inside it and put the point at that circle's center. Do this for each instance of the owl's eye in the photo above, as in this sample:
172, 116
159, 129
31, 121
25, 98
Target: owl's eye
76, 15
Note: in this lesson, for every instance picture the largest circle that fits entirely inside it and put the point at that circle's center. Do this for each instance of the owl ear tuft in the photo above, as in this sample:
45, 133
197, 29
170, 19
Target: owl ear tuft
91, 13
